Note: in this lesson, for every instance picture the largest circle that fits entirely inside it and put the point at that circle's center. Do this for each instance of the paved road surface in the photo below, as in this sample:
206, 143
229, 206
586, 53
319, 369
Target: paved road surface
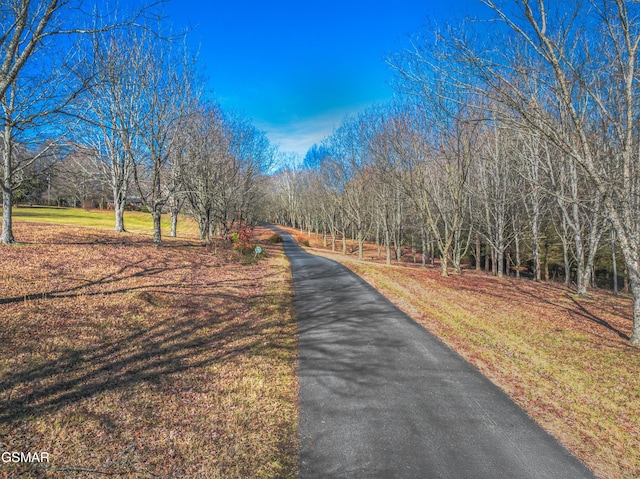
382, 398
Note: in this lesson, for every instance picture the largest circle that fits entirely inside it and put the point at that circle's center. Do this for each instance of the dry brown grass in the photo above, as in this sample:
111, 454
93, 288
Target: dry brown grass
120, 358
565, 359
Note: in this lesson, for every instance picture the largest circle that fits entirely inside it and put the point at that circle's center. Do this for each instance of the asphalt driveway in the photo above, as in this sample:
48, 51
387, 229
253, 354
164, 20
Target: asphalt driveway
380, 397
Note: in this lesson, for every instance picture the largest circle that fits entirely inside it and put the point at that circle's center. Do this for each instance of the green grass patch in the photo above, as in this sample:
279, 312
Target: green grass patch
134, 221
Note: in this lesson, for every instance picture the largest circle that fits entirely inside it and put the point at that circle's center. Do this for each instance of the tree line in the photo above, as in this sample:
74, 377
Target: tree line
109, 101
508, 132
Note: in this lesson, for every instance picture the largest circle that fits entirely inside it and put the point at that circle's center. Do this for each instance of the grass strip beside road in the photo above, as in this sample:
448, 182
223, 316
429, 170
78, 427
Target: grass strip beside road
564, 358
121, 358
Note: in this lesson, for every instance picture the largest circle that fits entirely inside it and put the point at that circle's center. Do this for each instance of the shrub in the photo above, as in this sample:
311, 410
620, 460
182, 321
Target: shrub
302, 241
243, 248
275, 238
245, 234
242, 244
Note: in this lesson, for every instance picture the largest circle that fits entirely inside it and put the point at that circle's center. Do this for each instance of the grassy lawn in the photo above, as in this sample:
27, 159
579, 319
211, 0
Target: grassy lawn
122, 359
565, 359
134, 221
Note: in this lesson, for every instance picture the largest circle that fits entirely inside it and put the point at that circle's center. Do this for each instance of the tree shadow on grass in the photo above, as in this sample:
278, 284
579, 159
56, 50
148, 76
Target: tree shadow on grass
148, 355
114, 278
543, 293
584, 313
579, 310
122, 344
206, 326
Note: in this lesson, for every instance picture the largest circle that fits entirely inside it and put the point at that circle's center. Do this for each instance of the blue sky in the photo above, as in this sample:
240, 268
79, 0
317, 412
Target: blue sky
297, 68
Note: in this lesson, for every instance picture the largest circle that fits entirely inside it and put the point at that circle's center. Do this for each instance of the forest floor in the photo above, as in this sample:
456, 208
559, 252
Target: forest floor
565, 359
123, 359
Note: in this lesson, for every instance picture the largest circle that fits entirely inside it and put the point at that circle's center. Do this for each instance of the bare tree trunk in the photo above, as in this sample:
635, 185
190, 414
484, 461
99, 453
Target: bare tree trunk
204, 226
174, 224
397, 245
581, 274
478, 253
625, 280
500, 263
157, 231
424, 247
7, 191
413, 249
494, 261
545, 261
487, 259
536, 249
387, 246
635, 290
614, 266
518, 258
565, 252
589, 267
118, 206
432, 253
7, 218
632, 263
532, 199
444, 260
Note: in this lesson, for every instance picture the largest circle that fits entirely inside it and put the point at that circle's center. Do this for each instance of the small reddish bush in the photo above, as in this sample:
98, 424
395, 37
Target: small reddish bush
244, 246
245, 234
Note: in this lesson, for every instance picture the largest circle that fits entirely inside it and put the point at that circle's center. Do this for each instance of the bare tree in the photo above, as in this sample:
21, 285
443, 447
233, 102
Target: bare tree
591, 88
24, 29
77, 178
206, 154
252, 158
29, 98
111, 112
495, 184
581, 209
434, 166
390, 199
532, 154
38, 75
163, 75
351, 169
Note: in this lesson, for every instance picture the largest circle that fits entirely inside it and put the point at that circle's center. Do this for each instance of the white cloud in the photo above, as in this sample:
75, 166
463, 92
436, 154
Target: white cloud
298, 136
